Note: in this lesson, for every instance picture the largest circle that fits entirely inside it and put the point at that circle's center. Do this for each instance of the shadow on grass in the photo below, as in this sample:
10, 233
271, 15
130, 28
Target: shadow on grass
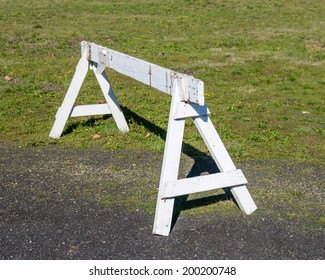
85, 123
203, 163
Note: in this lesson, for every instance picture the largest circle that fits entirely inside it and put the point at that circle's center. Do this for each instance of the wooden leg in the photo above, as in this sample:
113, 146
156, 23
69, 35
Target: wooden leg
170, 166
112, 102
67, 105
223, 161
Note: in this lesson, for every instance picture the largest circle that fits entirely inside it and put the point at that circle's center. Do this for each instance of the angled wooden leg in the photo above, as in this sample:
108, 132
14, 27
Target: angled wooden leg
223, 161
67, 105
111, 100
170, 166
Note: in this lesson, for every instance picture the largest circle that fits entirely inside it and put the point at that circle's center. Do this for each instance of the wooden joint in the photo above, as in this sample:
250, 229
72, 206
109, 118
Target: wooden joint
189, 110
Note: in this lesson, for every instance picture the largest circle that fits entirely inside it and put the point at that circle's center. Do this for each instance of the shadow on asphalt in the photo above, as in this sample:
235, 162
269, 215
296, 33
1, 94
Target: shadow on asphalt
203, 163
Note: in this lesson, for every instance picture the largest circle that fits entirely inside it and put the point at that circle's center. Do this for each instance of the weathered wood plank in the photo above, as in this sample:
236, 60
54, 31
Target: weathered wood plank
204, 183
224, 162
111, 100
70, 98
148, 73
90, 110
187, 110
170, 167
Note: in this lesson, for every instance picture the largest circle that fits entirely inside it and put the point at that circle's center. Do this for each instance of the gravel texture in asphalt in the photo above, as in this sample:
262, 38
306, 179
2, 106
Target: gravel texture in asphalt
55, 204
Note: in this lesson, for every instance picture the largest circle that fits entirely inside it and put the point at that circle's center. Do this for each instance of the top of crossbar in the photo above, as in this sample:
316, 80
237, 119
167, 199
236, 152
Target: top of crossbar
148, 73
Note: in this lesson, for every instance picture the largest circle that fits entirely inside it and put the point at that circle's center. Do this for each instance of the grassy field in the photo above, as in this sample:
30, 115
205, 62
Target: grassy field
262, 63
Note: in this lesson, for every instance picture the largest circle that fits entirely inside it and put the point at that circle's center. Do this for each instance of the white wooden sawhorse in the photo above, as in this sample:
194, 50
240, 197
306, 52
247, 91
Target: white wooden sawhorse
187, 102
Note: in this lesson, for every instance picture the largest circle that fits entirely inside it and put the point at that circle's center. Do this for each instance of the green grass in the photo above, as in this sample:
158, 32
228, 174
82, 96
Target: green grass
262, 63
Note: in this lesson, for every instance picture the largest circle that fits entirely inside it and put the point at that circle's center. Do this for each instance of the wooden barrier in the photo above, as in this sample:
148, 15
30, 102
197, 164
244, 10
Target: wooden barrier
187, 102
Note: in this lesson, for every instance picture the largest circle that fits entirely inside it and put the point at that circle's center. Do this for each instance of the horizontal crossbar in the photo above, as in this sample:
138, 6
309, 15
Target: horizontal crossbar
187, 110
90, 110
148, 73
204, 183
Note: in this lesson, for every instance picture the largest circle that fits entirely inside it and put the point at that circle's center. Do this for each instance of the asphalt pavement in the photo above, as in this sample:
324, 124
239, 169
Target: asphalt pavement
49, 211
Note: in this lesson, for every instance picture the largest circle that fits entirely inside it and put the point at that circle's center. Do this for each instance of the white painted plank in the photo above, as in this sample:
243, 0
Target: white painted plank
70, 97
186, 110
204, 183
148, 73
214, 144
244, 199
111, 100
90, 110
224, 162
170, 166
